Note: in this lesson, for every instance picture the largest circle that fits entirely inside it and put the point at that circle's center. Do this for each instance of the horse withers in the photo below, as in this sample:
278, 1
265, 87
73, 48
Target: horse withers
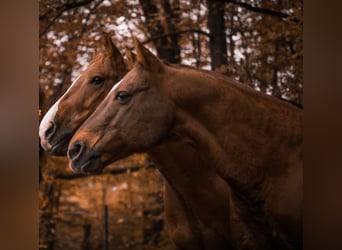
82, 97
231, 157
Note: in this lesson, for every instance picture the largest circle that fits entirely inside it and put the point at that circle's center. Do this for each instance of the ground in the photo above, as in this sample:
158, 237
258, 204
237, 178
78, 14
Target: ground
72, 211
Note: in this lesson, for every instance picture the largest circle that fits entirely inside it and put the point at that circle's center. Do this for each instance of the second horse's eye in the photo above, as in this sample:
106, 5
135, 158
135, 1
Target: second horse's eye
123, 97
96, 80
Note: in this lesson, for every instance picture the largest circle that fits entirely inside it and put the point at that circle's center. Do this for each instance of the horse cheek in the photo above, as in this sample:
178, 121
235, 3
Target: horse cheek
164, 118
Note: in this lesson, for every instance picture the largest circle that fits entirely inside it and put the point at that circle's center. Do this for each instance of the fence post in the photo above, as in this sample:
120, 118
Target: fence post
86, 237
105, 217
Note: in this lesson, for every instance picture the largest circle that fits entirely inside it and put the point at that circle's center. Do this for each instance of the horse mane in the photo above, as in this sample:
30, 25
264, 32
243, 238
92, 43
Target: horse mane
238, 84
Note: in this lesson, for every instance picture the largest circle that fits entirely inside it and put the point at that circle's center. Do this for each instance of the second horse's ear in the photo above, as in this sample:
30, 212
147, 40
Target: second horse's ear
146, 58
131, 57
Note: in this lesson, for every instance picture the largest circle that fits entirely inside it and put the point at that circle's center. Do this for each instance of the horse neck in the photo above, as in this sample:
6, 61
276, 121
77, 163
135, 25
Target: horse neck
192, 181
236, 127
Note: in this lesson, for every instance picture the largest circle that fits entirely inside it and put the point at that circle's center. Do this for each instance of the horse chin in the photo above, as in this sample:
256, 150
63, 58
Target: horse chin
45, 145
92, 165
60, 148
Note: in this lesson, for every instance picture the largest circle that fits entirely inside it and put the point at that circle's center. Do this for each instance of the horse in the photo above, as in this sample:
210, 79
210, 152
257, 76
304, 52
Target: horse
82, 97
230, 156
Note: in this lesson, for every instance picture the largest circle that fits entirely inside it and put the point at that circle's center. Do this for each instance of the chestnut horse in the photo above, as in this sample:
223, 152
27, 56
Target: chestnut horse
231, 157
82, 97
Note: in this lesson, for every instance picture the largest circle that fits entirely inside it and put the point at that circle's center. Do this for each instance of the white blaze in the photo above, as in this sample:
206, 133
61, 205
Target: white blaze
115, 86
50, 116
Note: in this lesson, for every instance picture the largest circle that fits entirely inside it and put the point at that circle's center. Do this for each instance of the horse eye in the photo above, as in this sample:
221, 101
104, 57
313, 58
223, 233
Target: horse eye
96, 80
123, 97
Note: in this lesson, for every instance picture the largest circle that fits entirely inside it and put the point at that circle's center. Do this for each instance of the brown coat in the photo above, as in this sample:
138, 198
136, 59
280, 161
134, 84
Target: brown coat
231, 157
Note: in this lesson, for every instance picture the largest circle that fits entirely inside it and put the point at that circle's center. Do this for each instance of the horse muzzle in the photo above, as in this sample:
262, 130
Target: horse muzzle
83, 162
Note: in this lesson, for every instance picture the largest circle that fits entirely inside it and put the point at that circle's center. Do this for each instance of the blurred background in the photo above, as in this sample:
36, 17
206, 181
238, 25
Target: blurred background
257, 42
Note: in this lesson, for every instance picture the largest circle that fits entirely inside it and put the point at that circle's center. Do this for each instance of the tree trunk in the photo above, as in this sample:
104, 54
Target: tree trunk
161, 19
217, 43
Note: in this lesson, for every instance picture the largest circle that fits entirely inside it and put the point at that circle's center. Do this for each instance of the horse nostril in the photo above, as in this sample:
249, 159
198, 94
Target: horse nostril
51, 130
75, 150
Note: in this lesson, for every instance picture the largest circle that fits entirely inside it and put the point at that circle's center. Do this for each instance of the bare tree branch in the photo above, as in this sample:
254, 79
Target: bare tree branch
114, 171
60, 11
179, 32
66, 6
263, 10
89, 14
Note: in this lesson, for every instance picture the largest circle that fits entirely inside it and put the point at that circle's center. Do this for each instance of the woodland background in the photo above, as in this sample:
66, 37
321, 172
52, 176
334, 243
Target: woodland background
258, 42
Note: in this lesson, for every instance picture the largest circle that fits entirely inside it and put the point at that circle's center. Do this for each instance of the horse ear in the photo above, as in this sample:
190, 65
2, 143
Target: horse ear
110, 49
131, 57
109, 46
146, 58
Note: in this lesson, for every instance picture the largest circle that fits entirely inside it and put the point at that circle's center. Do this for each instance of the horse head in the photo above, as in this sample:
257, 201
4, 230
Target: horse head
133, 117
82, 97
